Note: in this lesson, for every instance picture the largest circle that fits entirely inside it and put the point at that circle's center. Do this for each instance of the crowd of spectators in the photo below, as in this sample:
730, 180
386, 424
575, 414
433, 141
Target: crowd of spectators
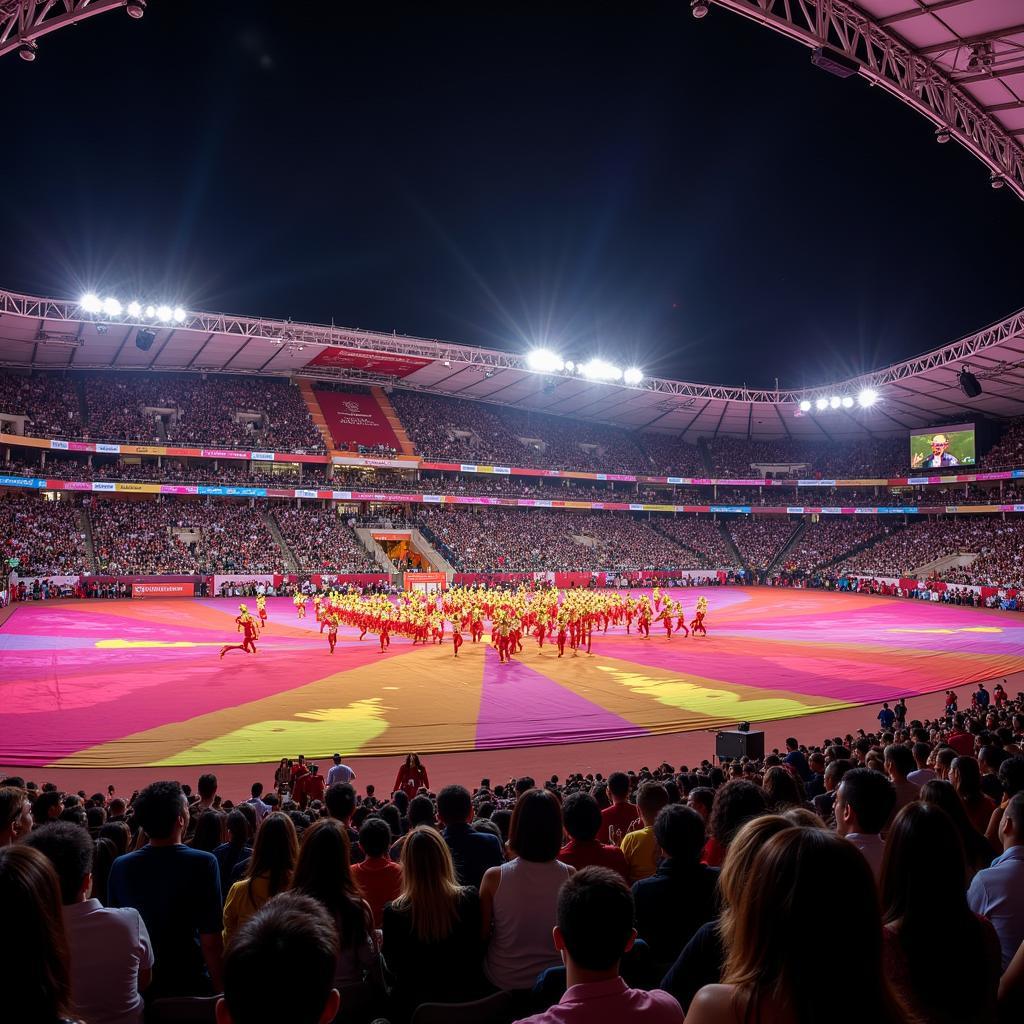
638, 895
454, 429
505, 540
180, 537
50, 403
828, 540
845, 460
702, 537
995, 541
45, 536
671, 456
1008, 451
322, 540
760, 540
247, 412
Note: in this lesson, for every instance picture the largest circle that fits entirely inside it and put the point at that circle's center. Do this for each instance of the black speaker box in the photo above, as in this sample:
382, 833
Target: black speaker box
733, 744
144, 339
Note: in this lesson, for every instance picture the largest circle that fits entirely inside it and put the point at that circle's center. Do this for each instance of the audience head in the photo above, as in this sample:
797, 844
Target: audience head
679, 832
864, 801
341, 801
33, 945
454, 805
535, 833
595, 921
430, 890
275, 852
582, 816
650, 798
291, 937
375, 837
69, 849
15, 814
899, 762
736, 802
161, 810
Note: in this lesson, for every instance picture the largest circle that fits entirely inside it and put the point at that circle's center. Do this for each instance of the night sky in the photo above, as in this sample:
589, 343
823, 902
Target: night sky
690, 196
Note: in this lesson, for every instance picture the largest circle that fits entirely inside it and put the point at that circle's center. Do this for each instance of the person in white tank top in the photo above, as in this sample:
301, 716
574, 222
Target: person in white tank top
519, 899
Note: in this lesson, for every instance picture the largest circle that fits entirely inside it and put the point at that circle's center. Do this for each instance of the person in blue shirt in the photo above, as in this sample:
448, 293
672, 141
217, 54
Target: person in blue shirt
886, 717
177, 891
796, 760
473, 852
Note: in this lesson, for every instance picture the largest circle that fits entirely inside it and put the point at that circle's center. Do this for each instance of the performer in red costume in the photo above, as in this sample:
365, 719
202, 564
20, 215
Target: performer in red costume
385, 635
681, 620
332, 629
246, 624
456, 637
697, 626
561, 637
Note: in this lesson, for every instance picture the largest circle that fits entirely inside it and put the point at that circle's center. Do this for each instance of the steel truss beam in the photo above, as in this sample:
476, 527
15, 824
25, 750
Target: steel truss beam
886, 61
285, 333
25, 21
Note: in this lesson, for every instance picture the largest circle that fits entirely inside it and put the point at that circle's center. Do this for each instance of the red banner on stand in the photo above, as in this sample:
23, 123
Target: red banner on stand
372, 362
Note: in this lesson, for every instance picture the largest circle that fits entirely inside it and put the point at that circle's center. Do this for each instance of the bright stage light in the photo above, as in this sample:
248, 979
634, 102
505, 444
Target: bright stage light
805, 406
867, 398
821, 404
544, 361
847, 402
90, 302
600, 369
570, 365
150, 312
164, 312
111, 307
134, 309
834, 402
633, 376
179, 315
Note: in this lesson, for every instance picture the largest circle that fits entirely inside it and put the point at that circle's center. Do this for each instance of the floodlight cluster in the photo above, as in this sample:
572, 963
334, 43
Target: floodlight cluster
542, 360
866, 398
110, 308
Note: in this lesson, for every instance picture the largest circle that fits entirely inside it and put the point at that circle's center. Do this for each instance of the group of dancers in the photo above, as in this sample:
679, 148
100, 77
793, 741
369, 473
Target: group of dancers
565, 620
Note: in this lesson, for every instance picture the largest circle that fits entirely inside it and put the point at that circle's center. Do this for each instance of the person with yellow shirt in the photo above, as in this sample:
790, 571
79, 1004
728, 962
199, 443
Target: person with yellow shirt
640, 848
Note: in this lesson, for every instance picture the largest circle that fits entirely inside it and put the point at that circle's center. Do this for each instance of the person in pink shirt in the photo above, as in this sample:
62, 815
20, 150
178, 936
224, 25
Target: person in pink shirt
594, 929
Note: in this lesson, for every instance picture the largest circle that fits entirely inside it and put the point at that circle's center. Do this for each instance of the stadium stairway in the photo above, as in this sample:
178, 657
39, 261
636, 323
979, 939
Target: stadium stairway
723, 529
404, 444
86, 527
305, 386
798, 531
291, 562
83, 405
705, 454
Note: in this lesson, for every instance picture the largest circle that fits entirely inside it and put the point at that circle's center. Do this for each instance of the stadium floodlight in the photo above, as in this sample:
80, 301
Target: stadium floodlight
90, 302
570, 365
821, 404
699, 8
134, 309
164, 313
834, 402
633, 376
27, 50
136, 8
111, 306
150, 312
600, 369
805, 406
867, 398
543, 360
179, 315
847, 402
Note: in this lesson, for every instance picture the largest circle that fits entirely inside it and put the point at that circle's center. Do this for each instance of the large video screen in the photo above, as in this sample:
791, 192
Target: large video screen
942, 446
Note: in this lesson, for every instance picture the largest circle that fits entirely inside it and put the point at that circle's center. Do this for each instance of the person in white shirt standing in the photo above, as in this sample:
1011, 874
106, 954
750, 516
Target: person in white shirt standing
997, 892
339, 772
864, 802
111, 953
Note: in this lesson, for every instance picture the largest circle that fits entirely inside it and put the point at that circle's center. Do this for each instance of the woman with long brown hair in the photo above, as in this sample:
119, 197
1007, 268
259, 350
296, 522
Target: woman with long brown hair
432, 925
411, 777
703, 957
33, 946
269, 872
324, 872
924, 886
965, 775
776, 971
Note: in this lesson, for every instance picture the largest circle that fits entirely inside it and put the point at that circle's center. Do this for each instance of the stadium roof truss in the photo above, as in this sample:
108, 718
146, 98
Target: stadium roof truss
25, 21
52, 334
960, 63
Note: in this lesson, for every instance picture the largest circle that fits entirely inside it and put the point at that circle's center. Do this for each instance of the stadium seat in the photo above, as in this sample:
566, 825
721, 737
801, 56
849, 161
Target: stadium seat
183, 1010
500, 1008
